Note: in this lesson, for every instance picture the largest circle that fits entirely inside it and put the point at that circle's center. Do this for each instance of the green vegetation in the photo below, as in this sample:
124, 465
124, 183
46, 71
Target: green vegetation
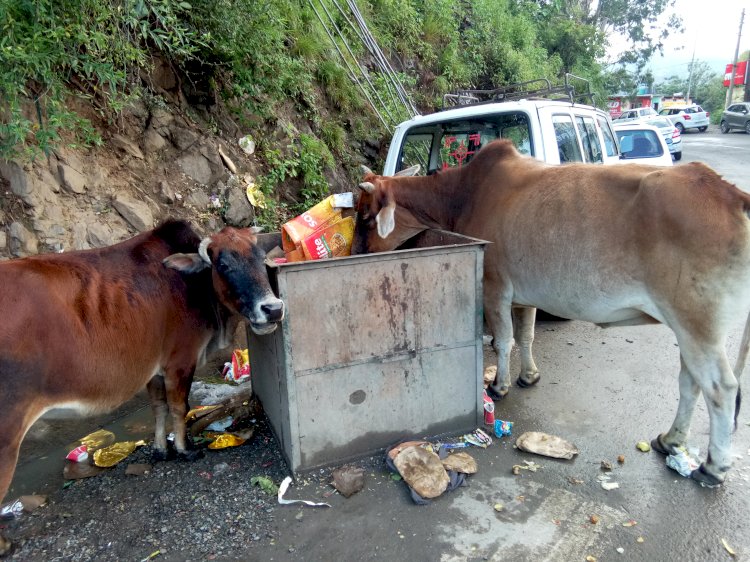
274, 67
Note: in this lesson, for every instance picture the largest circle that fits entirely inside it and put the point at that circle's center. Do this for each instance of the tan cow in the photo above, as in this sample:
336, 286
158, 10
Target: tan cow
614, 245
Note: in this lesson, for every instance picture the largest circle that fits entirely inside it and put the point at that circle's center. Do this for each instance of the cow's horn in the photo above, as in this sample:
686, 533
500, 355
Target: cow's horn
366, 170
367, 186
203, 250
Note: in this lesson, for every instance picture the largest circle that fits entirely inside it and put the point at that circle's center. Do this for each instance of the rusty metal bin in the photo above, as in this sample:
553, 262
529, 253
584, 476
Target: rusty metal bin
374, 348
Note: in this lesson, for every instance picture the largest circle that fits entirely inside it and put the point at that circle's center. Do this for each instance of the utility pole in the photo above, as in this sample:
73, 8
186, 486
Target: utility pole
730, 91
690, 75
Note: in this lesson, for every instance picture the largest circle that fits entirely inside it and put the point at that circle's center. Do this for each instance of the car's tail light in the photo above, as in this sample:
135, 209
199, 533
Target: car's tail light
676, 133
687, 117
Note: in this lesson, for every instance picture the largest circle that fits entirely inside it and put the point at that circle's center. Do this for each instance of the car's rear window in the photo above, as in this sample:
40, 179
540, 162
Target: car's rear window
454, 143
645, 144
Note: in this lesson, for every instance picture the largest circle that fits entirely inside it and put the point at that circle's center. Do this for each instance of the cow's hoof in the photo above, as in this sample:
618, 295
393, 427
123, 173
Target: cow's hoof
5, 546
190, 455
495, 395
159, 455
705, 478
528, 380
660, 446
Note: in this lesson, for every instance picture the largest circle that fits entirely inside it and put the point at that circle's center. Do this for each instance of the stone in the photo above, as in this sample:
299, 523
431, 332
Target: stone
166, 192
161, 117
195, 166
3, 240
348, 480
183, 138
137, 213
211, 153
153, 141
72, 180
98, 235
239, 211
198, 199
80, 232
128, 146
22, 241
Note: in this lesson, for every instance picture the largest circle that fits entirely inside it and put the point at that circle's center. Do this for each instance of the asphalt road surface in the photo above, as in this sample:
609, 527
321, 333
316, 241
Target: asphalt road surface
604, 390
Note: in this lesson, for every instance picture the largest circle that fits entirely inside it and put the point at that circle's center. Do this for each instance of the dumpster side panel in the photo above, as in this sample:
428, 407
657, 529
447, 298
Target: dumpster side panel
357, 410
381, 308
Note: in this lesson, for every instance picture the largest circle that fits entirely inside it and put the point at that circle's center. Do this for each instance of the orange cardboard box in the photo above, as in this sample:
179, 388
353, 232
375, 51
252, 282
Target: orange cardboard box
331, 241
299, 228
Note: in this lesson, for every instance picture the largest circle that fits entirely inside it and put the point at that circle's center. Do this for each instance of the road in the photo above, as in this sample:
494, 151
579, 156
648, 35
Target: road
729, 154
605, 390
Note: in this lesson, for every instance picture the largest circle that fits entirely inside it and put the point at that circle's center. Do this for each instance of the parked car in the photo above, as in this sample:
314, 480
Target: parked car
550, 130
642, 144
637, 114
671, 135
690, 117
736, 116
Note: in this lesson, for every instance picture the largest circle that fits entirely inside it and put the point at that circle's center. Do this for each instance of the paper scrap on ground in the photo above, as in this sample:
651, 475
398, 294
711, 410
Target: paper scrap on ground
546, 445
282, 490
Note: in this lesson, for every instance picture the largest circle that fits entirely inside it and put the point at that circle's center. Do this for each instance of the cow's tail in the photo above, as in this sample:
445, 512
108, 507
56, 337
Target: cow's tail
740, 366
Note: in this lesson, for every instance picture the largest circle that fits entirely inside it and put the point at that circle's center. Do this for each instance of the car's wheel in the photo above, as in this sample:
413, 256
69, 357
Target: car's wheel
677, 155
747, 127
724, 127
702, 129
680, 127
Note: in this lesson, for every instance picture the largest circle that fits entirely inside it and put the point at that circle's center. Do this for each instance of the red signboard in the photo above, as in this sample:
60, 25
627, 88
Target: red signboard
739, 76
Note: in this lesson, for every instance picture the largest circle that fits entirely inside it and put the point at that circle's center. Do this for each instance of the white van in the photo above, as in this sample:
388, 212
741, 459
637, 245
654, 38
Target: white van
552, 130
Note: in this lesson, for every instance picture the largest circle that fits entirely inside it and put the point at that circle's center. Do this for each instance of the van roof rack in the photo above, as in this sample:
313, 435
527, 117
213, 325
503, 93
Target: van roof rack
539, 88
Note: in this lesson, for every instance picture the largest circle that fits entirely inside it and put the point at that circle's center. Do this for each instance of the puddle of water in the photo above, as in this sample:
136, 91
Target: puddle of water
40, 468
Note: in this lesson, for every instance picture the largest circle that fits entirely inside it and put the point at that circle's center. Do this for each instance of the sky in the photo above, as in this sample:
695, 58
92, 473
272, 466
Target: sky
711, 29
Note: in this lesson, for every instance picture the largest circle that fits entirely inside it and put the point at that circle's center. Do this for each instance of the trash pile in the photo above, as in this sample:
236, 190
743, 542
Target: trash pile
320, 232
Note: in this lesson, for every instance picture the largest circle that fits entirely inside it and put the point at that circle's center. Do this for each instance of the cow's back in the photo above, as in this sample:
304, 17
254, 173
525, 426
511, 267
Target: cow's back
83, 313
568, 236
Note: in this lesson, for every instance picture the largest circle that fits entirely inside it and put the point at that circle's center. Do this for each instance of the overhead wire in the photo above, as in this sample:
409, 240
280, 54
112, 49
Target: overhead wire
397, 94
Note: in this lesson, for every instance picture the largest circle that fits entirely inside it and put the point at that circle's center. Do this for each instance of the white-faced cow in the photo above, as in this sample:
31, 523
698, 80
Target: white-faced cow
614, 245
87, 330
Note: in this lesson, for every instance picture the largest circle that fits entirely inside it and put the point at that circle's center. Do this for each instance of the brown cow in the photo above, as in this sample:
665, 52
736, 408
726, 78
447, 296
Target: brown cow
87, 330
614, 245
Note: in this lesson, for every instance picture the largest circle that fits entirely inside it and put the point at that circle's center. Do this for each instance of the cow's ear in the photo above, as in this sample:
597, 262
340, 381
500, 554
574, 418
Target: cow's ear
386, 219
411, 171
185, 263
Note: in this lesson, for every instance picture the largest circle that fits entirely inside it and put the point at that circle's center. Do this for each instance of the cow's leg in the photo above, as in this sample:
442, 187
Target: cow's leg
524, 319
712, 373
178, 382
19, 415
158, 394
668, 443
498, 313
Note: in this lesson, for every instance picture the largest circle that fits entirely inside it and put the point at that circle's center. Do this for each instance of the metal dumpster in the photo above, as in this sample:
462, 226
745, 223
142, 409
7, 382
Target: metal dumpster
374, 348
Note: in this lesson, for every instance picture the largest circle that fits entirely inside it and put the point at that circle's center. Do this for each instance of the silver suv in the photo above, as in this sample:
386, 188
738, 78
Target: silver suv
551, 130
736, 116
690, 117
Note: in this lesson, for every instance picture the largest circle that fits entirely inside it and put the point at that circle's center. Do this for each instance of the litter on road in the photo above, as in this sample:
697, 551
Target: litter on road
546, 445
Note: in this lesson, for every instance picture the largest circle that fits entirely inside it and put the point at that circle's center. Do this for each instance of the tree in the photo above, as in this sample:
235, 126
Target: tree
636, 20
705, 86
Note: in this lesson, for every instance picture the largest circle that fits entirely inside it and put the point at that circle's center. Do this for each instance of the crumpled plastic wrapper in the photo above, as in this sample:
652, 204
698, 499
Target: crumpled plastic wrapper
98, 439
110, 456
226, 440
684, 461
